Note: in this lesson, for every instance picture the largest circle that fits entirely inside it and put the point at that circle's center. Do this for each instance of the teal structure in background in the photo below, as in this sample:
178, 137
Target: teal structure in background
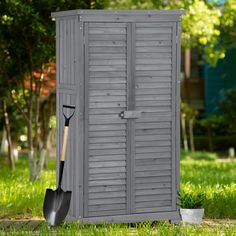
217, 80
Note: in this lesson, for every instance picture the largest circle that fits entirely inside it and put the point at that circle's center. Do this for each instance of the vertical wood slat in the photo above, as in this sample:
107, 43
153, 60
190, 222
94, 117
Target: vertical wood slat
86, 118
133, 121
128, 125
177, 99
80, 123
173, 119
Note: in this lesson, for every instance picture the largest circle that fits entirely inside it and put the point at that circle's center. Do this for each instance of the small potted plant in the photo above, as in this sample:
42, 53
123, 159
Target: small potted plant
191, 207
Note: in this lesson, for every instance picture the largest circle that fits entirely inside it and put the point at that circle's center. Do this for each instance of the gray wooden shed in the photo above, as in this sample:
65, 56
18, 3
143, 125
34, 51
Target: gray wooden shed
121, 70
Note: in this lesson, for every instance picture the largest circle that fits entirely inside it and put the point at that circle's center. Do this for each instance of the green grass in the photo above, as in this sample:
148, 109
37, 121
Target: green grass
18, 196
139, 229
217, 178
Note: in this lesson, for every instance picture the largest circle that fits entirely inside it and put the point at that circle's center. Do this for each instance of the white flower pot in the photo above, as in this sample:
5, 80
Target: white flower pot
192, 216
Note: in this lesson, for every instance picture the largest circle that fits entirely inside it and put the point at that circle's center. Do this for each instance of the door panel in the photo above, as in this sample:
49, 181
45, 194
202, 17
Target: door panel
153, 131
105, 96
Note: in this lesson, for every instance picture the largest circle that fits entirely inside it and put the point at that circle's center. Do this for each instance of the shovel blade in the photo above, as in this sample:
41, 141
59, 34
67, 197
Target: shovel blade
56, 206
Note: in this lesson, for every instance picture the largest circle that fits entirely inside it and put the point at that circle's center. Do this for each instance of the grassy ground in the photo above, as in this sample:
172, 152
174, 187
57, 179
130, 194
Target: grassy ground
217, 178
139, 229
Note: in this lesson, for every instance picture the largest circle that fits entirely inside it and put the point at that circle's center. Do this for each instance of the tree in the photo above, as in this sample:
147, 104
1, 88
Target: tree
27, 34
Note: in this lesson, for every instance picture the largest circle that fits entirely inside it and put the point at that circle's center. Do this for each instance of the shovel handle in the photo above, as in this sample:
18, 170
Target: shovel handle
64, 143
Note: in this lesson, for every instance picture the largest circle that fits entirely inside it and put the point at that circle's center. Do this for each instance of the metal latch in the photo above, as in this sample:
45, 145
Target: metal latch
130, 114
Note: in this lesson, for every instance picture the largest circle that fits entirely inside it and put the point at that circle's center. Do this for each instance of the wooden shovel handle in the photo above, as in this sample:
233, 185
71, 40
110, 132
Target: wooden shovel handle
64, 143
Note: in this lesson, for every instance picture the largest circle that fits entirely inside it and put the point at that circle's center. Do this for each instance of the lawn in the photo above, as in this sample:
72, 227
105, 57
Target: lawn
217, 178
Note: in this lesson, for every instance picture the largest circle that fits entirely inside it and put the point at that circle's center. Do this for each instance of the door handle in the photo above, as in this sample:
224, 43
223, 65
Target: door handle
130, 114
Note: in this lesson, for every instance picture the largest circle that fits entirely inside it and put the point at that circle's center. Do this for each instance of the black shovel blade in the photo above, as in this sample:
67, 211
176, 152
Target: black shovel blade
56, 206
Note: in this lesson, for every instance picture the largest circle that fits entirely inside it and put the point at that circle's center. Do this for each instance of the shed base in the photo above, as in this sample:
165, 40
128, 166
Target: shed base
172, 216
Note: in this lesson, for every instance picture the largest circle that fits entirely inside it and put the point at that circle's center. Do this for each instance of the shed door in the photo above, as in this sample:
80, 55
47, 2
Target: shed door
154, 155
129, 161
105, 183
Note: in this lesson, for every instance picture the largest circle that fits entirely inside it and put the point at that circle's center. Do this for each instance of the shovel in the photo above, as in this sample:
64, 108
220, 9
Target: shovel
56, 203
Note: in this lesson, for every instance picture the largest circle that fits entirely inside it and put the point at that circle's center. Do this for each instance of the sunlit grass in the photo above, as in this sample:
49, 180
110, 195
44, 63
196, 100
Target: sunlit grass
18, 196
139, 229
215, 178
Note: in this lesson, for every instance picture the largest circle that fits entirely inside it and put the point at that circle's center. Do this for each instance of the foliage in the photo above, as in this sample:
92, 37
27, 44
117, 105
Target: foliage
228, 24
198, 156
227, 106
190, 200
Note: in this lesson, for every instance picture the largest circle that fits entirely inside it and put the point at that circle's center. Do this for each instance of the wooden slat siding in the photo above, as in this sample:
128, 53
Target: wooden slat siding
86, 119
153, 180
104, 201
152, 30
66, 94
154, 96
153, 125
106, 182
153, 166
152, 161
111, 99
97, 62
154, 91
108, 67
153, 49
153, 185
67, 53
107, 176
165, 143
107, 213
153, 204
158, 137
107, 127
103, 93
150, 55
173, 94
106, 139
158, 43
152, 67
94, 56
163, 154
100, 189
94, 164
177, 129
153, 79
107, 207
153, 209
111, 49
155, 173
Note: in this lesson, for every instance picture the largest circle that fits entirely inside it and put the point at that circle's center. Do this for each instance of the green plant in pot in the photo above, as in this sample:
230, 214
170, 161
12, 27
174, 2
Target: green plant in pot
191, 206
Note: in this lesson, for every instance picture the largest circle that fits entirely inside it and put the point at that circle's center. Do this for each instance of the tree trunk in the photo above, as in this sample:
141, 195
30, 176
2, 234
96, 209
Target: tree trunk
209, 134
36, 163
8, 135
191, 136
184, 133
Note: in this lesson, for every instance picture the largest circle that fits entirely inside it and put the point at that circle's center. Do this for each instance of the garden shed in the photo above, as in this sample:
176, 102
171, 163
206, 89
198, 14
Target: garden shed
121, 71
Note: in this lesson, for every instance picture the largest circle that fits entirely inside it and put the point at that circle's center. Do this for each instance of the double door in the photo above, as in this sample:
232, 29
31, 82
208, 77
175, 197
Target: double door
130, 118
